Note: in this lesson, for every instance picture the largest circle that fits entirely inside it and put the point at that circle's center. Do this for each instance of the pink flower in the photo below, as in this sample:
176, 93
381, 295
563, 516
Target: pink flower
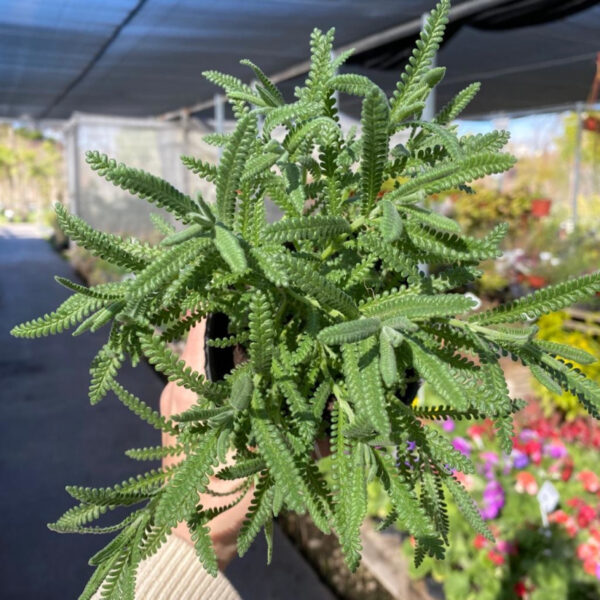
590, 481
496, 557
489, 457
585, 552
526, 483
505, 547
448, 425
589, 566
466, 480
575, 502
571, 527
558, 516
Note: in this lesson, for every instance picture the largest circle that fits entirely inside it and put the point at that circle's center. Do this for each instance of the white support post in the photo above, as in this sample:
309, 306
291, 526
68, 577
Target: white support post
576, 163
219, 102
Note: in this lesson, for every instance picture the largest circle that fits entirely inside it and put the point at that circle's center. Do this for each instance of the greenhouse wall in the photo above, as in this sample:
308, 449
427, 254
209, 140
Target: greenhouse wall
149, 144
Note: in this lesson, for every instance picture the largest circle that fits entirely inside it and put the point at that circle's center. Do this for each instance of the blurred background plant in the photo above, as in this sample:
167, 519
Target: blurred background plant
31, 175
553, 328
527, 560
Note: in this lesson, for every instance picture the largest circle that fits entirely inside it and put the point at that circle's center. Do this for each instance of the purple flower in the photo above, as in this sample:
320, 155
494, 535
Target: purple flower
493, 500
493, 490
448, 425
528, 434
555, 450
462, 445
489, 512
488, 473
520, 459
411, 445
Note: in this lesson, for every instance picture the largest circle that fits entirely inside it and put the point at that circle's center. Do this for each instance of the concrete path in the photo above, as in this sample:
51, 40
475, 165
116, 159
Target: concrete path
50, 436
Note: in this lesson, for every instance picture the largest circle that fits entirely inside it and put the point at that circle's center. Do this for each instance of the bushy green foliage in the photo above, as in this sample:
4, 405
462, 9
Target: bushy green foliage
331, 306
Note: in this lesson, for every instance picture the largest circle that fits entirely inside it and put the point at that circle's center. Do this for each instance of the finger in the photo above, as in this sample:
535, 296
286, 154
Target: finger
175, 398
193, 353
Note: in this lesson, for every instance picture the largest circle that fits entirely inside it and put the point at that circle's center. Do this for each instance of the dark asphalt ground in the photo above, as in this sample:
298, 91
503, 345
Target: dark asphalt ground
50, 436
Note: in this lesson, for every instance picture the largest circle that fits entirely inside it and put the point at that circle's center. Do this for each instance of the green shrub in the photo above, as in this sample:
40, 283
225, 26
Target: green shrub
331, 306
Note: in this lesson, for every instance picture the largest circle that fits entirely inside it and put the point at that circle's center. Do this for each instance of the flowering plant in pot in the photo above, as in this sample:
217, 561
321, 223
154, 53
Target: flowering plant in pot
540, 207
330, 307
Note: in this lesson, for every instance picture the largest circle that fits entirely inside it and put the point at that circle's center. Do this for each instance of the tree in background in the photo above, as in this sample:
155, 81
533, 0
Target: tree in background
31, 173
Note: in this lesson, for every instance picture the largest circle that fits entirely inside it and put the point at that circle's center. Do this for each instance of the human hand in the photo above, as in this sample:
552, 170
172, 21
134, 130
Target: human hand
176, 399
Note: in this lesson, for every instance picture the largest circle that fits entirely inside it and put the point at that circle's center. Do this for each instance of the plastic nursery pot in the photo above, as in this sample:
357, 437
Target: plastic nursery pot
536, 282
219, 361
540, 207
592, 124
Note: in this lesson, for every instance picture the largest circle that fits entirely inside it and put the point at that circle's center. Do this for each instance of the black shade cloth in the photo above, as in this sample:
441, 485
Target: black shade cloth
145, 57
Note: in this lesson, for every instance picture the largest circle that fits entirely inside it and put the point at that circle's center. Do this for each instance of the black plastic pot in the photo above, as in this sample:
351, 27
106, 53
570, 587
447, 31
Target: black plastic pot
219, 361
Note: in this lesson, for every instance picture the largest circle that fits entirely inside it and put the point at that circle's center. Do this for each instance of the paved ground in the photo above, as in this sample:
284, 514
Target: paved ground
51, 436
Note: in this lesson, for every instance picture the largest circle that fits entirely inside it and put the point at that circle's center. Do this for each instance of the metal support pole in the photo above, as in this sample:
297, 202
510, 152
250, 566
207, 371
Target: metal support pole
501, 122
185, 142
428, 115
72, 164
336, 94
219, 117
576, 163
429, 110
260, 120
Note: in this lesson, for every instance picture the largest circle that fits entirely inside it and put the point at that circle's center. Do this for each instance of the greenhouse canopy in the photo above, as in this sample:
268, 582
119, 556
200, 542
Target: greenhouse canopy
145, 57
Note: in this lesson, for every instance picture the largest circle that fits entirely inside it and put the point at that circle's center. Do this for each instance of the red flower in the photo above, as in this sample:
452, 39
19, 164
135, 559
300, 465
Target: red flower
496, 557
478, 430
479, 542
520, 589
585, 515
534, 449
567, 470
590, 481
